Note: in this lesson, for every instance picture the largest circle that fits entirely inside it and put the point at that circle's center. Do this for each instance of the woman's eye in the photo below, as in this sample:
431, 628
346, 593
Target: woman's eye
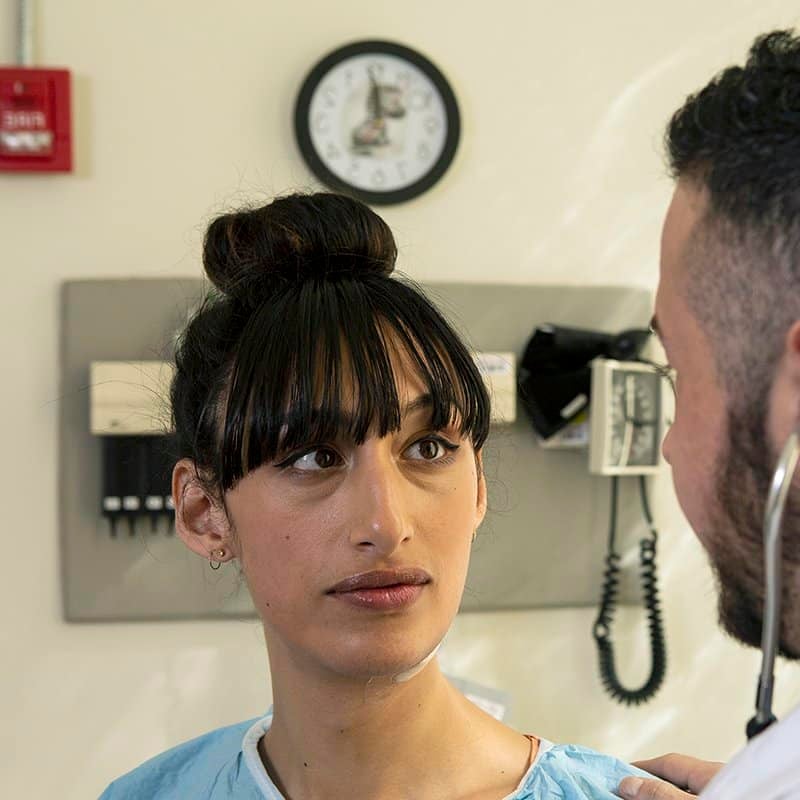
316, 460
430, 449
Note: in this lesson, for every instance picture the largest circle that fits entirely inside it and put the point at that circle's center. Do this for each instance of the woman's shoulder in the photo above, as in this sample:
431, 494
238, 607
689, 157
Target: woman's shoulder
572, 772
208, 766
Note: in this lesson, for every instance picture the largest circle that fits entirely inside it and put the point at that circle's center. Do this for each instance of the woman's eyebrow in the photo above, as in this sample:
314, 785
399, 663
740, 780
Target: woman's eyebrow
424, 401
345, 420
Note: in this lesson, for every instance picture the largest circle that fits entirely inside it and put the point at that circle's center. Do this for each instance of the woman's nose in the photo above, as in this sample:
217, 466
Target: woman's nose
381, 519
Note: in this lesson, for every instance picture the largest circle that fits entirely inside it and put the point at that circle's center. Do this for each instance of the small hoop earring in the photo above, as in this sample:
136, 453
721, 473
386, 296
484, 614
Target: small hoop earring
215, 565
474, 534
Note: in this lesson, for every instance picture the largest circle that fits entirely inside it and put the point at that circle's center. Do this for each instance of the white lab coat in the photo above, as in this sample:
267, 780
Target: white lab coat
767, 769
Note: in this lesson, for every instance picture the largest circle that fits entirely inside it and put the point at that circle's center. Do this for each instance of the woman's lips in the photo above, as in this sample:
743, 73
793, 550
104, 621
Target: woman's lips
382, 589
384, 598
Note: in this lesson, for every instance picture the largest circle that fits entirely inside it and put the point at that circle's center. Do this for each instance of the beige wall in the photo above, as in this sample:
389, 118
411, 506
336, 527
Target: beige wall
183, 108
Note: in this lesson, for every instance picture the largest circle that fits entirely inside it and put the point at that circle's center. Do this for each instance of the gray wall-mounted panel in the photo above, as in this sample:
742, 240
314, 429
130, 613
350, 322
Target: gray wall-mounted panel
544, 538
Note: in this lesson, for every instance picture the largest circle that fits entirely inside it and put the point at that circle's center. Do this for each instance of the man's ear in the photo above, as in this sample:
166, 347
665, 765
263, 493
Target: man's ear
200, 519
482, 494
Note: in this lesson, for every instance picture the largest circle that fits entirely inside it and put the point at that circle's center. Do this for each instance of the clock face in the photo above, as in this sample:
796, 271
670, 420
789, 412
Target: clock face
378, 121
635, 418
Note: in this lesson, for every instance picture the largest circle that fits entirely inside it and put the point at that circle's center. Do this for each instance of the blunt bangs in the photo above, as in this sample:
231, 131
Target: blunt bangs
315, 363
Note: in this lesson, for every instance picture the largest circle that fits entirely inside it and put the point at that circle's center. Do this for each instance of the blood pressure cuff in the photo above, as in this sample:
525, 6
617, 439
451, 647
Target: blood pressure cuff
555, 372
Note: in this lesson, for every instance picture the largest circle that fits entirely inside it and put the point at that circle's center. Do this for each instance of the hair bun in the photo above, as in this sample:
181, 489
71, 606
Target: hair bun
296, 238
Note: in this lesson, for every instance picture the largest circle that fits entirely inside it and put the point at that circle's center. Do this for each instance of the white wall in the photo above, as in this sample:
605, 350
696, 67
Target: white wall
183, 108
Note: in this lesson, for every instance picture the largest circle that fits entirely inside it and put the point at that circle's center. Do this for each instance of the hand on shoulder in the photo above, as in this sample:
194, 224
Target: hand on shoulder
671, 772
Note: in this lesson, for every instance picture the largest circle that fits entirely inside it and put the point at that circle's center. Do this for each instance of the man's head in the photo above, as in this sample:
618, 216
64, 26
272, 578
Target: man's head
728, 312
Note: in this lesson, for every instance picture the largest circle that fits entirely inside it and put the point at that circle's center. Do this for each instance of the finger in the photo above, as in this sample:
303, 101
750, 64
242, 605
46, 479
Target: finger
681, 770
642, 789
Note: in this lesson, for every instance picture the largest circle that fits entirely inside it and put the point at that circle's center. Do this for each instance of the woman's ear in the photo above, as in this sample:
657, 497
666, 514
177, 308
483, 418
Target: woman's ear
482, 499
200, 519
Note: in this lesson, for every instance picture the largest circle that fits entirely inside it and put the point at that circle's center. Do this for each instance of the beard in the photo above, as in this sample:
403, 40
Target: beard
742, 481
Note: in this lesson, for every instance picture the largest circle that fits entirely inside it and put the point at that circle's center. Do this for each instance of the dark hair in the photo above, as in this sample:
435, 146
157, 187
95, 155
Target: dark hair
296, 344
740, 134
739, 137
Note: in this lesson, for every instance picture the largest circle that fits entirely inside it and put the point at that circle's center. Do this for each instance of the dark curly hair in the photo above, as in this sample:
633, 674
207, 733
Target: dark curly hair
741, 134
738, 138
296, 344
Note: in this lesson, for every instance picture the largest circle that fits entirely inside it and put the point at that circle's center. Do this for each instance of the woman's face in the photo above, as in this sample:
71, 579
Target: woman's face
356, 556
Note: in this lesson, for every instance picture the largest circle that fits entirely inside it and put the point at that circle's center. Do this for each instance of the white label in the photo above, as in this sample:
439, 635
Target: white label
131, 503
26, 141
573, 437
24, 120
499, 372
574, 405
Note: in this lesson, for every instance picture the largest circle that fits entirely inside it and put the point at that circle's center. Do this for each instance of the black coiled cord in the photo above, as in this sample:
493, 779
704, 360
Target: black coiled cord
608, 604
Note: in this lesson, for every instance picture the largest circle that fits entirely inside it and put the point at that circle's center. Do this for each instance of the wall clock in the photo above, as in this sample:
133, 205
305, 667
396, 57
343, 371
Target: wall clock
378, 121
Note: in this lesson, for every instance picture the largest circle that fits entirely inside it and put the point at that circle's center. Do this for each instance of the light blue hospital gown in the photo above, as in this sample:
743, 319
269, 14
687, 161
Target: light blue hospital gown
225, 764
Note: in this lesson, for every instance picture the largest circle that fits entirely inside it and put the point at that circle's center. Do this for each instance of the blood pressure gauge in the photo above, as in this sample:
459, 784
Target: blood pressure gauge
627, 418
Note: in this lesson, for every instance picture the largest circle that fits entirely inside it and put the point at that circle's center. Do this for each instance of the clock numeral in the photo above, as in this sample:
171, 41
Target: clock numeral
401, 169
375, 69
348, 76
353, 169
332, 151
322, 123
378, 178
432, 124
329, 93
423, 151
403, 77
419, 100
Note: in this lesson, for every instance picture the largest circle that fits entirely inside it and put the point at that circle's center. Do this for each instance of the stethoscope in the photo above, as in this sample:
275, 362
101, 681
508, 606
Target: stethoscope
770, 633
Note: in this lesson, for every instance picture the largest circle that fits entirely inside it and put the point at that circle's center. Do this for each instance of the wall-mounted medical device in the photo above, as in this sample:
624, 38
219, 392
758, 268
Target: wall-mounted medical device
627, 420
565, 373
129, 411
555, 372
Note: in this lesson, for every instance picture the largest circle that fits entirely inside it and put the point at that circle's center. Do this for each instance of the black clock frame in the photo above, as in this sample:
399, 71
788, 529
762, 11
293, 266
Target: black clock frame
317, 165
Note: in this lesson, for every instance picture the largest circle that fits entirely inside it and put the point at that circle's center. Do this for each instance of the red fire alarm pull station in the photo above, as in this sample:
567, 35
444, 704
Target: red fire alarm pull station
35, 120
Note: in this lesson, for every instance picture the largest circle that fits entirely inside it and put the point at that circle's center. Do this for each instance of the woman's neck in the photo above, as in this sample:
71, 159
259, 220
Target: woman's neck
383, 740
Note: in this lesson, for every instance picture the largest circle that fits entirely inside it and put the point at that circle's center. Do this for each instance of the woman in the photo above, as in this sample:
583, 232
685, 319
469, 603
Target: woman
330, 425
